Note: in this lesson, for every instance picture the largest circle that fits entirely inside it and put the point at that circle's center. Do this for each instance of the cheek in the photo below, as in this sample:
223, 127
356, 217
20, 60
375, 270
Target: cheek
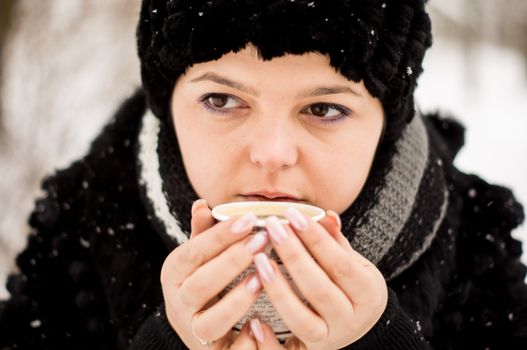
345, 173
206, 158
341, 183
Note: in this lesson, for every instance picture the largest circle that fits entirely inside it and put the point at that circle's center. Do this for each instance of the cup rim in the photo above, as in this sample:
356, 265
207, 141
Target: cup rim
261, 222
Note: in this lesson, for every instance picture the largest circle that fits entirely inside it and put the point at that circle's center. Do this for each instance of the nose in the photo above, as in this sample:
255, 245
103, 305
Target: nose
273, 145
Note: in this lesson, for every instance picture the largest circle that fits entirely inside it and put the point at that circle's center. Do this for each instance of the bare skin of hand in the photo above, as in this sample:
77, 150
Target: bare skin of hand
347, 294
197, 271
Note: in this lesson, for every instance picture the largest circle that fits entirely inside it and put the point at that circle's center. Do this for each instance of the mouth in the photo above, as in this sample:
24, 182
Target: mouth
270, 196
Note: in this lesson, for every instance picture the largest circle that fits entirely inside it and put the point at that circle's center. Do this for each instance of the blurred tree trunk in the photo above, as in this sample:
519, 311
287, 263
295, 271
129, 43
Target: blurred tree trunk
498, 22
5, 12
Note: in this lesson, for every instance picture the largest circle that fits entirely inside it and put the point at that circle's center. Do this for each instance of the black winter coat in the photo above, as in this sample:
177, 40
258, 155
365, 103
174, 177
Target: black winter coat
89, 276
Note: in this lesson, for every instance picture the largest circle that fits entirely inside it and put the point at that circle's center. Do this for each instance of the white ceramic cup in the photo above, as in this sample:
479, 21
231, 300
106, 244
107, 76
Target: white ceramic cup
262, 210
262, 308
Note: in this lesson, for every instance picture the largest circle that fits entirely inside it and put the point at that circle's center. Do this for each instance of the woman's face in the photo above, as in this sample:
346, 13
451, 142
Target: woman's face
288, 129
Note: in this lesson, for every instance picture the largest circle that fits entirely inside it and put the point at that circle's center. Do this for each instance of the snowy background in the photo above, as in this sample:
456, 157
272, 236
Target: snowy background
477, 71
489, 95
67, 64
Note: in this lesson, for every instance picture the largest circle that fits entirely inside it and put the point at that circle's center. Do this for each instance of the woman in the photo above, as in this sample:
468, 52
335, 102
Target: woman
302, 101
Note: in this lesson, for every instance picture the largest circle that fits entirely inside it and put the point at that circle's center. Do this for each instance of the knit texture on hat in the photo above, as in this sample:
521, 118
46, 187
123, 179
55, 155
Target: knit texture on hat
391, 223
382, 42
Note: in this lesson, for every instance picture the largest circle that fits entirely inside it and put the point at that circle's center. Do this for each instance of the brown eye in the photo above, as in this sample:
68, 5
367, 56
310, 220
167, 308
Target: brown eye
320, 110
327, 112
219, 101
223, 103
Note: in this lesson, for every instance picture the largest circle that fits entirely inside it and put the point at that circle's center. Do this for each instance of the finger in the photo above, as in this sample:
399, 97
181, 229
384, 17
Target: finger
201, 217
264, 335
244, 340
315, 285
294, 343
211, 278
350, 271
229, 339
333, 225
222, 316
186, 258
300, 319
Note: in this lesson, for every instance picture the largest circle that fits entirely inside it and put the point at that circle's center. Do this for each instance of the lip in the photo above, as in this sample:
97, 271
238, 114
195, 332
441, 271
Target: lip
270, 195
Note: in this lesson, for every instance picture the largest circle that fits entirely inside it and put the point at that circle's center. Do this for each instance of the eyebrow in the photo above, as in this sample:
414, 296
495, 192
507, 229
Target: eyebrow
227, 82
329, 90
319, 91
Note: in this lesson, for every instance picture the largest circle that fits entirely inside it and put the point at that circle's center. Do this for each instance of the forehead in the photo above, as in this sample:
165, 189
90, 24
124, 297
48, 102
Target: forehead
247, 64
288, 76
251, 55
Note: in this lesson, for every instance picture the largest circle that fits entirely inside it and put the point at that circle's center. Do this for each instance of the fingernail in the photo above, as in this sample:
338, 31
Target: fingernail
257, 242
197, 204
275, 229
336, 217
254, 284
244, 223
263, 266
256, 328
296, 218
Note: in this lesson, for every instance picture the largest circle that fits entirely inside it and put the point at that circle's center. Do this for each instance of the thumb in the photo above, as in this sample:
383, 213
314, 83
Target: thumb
264, 335
201, 217
332, 224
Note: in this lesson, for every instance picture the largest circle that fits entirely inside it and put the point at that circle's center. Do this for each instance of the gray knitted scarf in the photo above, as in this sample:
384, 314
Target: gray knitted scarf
392, 222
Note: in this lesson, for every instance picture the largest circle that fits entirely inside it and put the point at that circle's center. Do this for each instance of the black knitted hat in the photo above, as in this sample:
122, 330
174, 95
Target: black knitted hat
382, 42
